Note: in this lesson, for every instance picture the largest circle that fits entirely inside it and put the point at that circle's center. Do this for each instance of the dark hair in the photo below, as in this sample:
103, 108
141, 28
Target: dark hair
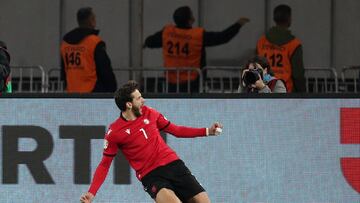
262, 61
182, 15
83, 15
282, 14
3, 45
123, 94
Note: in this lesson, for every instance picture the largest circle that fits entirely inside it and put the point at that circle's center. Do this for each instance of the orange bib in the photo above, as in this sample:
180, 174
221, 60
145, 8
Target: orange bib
279, 58
79, 62
182, 48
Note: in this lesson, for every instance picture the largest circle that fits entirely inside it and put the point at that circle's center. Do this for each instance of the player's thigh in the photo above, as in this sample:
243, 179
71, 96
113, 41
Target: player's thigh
166, 195
202, 197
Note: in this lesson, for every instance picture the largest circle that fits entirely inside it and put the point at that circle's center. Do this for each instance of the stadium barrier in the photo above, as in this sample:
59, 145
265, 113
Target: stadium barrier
221, 79
28, 79
155, 79
350, 76
321, 80
53, 81
213, 79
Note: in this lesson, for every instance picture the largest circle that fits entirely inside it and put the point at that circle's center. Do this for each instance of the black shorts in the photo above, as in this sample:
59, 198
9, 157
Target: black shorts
174, 176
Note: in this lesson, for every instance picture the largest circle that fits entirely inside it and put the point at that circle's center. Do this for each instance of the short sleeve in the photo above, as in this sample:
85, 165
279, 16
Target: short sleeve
162, 122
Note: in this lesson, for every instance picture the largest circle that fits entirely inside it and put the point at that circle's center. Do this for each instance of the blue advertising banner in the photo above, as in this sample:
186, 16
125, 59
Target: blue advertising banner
270, 150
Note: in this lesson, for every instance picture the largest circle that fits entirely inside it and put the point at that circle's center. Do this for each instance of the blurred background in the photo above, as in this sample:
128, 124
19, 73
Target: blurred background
328, 29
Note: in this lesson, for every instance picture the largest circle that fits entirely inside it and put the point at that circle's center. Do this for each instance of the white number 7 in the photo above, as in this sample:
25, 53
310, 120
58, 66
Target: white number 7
143, 131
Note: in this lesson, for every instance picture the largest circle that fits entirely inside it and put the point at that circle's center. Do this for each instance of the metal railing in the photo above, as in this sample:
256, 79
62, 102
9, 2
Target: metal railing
53, 81
350, 79
321, 79
152, 79
28, 79
212, 79
155, 79
226, 79
221, 79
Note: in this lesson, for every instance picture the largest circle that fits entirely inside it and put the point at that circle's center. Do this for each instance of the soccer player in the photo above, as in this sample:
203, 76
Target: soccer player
137, 134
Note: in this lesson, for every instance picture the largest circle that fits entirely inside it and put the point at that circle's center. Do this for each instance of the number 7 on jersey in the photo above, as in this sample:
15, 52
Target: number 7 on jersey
144, 133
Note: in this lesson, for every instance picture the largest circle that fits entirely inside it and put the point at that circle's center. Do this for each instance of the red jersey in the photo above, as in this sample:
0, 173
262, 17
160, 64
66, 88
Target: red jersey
140, 141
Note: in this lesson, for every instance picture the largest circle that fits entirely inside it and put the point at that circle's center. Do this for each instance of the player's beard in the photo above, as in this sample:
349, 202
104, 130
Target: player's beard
136, 111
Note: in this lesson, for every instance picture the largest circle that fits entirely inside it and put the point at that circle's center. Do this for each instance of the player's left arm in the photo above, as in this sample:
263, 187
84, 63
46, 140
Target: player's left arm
185, 131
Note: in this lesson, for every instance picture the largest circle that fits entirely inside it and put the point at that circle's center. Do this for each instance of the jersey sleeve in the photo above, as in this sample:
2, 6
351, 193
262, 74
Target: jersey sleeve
100, 174
110, 146
162, 122
110, 150
185, 131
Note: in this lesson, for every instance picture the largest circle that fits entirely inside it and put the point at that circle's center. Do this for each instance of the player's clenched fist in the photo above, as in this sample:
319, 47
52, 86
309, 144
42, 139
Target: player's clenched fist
86, 198
215, 129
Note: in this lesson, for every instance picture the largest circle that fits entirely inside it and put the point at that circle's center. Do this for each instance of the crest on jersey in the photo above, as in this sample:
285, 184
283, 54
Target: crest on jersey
127, 131
106, 144
108, 132
146, 121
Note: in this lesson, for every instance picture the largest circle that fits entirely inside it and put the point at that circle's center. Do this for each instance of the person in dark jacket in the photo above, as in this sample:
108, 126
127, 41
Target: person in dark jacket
85, 65
284, 51
184, 47
5, 84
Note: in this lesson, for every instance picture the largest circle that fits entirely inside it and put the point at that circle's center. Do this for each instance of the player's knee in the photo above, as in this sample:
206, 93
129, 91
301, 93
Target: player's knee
165, 192
202, 197
166, 195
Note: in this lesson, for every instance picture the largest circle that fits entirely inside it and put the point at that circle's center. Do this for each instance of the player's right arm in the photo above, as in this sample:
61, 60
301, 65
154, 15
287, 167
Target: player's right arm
100, 174
110, 150
98, 179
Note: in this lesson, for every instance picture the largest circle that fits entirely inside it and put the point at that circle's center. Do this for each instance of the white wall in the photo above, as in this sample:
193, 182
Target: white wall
347, 32
243, 45
31, 31
33, 28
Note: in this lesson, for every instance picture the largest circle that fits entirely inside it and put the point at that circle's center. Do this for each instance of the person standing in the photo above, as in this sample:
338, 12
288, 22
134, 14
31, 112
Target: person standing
137, 134
184, 47
85, 65
5, 82
284, 51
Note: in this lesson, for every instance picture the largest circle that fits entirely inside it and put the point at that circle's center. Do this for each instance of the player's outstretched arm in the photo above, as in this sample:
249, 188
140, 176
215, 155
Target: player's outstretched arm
215, 129
189, 132
98, 179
